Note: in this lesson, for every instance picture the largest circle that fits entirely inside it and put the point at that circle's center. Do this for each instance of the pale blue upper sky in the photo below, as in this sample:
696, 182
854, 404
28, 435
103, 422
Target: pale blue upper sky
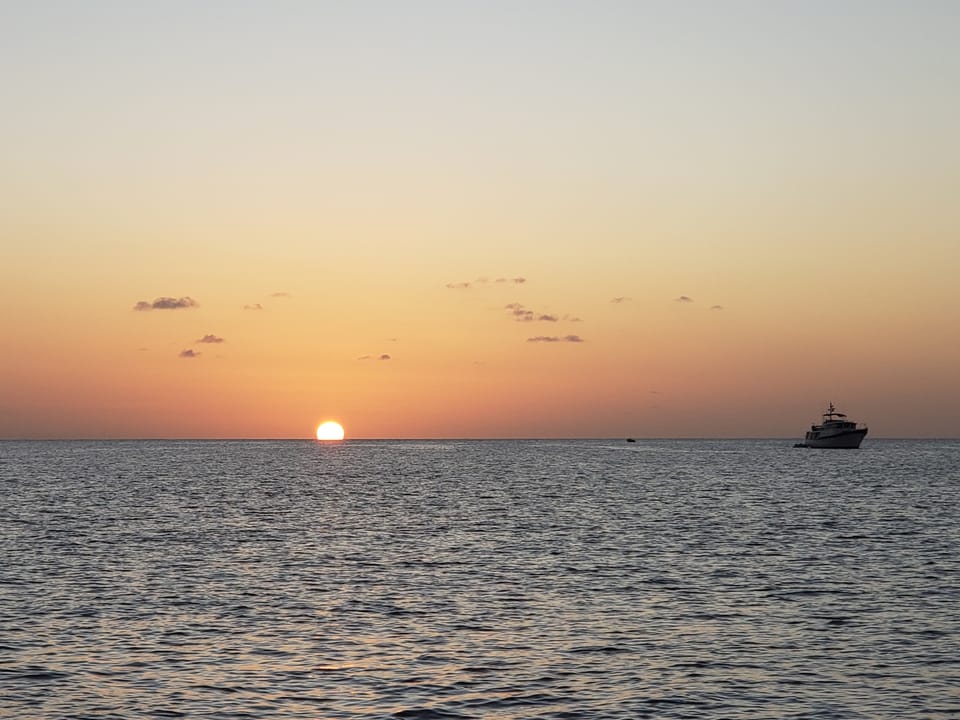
660, 92
509, 68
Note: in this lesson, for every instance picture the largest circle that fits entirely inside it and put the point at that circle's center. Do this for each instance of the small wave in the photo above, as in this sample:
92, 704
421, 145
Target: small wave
479, 669
218, 688
468, 627
518, 700
605, 649
672, 701
32, 673
431, 714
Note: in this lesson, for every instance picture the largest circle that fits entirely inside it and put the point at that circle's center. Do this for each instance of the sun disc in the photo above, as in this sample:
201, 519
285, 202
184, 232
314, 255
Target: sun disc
330, 430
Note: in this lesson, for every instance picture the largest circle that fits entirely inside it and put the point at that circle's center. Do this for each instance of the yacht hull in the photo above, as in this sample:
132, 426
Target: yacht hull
848, 440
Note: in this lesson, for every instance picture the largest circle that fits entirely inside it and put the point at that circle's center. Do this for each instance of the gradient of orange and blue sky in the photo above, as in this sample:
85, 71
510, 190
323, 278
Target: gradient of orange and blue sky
478, 219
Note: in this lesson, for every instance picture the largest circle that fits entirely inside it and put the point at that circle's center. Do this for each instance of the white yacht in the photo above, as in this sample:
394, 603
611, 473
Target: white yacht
834, 432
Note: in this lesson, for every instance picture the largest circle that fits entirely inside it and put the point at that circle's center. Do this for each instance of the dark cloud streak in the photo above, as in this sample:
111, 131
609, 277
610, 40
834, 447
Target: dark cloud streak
467, 284
521, 314
555, 339
166, 303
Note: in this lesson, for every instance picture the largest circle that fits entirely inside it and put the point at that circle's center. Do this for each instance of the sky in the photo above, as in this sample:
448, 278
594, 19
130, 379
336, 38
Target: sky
494, 219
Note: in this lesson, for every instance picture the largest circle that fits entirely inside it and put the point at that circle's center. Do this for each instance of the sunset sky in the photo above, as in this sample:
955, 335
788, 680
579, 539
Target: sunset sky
478, 219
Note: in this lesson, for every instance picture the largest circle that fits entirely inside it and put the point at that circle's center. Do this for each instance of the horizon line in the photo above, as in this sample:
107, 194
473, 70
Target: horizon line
432, 439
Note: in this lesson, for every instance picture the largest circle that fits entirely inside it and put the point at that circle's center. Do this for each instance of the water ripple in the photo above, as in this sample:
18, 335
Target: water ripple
684, 579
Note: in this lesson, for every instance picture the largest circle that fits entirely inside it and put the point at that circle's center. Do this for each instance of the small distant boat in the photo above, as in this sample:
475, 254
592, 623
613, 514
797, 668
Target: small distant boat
834, 432
630, 440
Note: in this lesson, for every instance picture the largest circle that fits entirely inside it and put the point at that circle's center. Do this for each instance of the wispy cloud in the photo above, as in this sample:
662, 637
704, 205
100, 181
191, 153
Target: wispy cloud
683, 299
280, 295
480, 281
555, 339
521, 313
189, 353
716, 307
254, 306
618, 300
384, 357
211, 339
166, 303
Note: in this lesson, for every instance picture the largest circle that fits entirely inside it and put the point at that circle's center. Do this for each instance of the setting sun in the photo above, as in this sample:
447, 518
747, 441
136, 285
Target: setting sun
330, 430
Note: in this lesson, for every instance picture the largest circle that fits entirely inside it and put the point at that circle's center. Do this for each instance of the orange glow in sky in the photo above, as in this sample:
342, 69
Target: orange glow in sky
591, 220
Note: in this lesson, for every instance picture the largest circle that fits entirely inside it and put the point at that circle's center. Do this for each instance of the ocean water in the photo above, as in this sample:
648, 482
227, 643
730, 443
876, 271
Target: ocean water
479, 579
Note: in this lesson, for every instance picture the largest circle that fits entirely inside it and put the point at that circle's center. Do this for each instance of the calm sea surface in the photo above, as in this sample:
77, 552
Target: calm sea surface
479, 579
